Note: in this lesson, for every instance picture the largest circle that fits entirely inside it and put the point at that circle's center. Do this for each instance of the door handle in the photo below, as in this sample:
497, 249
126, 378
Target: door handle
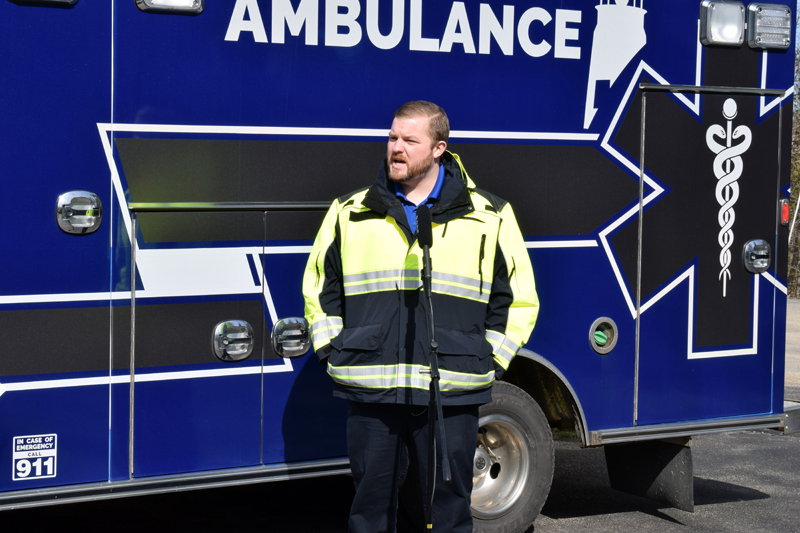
79, 212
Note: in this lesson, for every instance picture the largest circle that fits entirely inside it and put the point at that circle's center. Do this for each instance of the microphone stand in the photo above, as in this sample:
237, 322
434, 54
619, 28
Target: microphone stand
435, 403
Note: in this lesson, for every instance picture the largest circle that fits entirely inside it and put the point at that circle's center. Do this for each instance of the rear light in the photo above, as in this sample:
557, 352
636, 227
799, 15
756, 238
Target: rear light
721, 23
769, 26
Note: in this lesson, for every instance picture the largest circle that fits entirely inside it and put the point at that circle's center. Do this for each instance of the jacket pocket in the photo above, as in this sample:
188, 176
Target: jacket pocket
357, 346
461, 351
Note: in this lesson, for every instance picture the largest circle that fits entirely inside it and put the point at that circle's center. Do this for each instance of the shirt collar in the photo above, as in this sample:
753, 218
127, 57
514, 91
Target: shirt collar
434, 195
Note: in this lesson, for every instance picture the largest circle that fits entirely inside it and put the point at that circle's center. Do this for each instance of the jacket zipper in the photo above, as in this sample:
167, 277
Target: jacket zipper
480, 262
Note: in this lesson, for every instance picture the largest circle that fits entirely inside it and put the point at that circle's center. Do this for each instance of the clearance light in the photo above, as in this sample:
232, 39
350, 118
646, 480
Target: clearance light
173, 6
721, 23
784, 212
769, 26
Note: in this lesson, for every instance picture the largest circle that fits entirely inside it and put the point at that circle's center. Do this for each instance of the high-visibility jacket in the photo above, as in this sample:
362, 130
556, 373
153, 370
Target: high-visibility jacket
367, 312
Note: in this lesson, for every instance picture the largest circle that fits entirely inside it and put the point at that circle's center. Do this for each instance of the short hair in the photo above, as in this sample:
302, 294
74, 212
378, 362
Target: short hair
439, 126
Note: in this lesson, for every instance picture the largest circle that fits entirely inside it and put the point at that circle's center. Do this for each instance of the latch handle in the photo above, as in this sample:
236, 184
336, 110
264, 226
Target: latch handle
79, 212
757, 256
233, 340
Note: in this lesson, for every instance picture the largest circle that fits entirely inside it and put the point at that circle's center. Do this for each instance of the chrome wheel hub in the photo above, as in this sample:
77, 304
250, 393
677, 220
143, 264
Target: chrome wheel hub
501, 466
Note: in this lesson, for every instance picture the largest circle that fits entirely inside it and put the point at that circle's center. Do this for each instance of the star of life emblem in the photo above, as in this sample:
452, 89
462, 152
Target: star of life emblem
727, 169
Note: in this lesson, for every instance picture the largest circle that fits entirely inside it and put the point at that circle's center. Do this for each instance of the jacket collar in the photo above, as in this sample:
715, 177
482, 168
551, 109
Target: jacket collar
453, 202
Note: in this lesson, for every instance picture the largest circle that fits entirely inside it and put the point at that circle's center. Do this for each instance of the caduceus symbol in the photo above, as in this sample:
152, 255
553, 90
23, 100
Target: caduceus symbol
727, 169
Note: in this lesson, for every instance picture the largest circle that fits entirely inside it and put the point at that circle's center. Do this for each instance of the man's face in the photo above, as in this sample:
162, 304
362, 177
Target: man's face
409, 153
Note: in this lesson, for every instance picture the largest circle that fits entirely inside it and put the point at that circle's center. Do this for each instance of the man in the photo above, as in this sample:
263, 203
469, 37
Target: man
368, 317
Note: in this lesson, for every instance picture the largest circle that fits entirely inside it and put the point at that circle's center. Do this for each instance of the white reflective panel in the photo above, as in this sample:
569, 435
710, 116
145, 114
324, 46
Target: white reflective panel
722, 23
769, 26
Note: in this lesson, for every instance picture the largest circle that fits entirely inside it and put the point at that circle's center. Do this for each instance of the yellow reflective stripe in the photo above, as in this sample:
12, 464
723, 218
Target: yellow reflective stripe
461, 280
381, 280
409, 279
502, 362
380, 274
375, 286
326, 328
406, 376
324, 321
382, 286
503, 348
461, 292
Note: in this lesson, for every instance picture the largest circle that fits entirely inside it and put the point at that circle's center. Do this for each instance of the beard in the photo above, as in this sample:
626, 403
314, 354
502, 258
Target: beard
412, 171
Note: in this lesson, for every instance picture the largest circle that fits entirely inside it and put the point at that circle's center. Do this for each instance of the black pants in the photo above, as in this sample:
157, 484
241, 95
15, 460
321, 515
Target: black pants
380, 438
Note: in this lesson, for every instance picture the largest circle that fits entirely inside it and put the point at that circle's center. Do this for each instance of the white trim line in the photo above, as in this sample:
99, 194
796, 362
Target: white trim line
142, 378
698, 70
690, 353
765, 108
778, 285
69, 297
561, 244
525, 135
287, 250
242, 130
335, 132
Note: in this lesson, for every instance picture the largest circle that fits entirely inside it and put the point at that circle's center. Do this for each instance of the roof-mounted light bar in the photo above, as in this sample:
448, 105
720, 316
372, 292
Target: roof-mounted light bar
721, 23
171, 6
769, 26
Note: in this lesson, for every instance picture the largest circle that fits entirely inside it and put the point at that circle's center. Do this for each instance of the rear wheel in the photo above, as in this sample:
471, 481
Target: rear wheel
513, 466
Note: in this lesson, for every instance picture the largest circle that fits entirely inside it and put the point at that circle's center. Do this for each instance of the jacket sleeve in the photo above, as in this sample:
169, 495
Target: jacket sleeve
513, 304
322, 284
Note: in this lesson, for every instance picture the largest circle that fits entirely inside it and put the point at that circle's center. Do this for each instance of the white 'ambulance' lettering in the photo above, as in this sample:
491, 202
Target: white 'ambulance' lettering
535, 35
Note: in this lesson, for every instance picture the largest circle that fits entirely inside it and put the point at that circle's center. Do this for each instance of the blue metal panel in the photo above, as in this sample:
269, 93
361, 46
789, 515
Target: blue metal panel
673, 387
119, 433
576, 287
302, 421
56, 66
706, 348
779, 352
77, 416
185, 425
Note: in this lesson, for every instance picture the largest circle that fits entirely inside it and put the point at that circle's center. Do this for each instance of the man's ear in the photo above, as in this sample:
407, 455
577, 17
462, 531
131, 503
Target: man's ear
438, 149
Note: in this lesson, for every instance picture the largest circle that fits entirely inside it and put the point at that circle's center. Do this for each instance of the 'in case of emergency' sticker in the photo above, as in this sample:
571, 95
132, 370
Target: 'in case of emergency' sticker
34, 457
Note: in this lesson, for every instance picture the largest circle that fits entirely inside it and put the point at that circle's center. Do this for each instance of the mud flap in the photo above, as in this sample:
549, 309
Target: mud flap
791, 419
660, 470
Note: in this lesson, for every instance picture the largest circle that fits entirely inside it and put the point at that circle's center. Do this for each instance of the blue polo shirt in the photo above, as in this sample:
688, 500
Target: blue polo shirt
410, 208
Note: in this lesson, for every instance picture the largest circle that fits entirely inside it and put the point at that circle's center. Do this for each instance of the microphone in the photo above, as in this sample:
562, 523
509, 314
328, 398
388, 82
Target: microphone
424, 226
425, 240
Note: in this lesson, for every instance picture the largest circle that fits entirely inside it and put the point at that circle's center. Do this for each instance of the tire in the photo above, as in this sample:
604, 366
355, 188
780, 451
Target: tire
513, 462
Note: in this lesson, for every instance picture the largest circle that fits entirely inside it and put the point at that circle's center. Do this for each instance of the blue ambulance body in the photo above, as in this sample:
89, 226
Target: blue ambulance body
607, 124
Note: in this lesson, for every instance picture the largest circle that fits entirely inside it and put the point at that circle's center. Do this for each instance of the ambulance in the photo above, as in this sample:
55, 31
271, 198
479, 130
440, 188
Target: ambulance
166, 165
